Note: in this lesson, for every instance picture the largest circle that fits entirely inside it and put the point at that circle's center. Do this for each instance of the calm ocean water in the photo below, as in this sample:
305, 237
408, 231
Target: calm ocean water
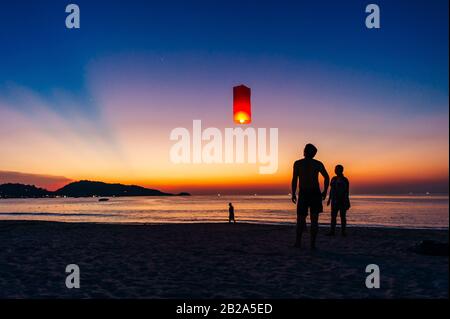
393, 211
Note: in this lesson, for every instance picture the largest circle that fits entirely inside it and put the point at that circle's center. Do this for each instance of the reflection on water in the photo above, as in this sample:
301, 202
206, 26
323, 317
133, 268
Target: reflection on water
401, 211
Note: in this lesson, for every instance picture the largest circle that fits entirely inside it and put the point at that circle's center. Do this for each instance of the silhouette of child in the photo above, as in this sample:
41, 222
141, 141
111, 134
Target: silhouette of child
231, 213
339, 198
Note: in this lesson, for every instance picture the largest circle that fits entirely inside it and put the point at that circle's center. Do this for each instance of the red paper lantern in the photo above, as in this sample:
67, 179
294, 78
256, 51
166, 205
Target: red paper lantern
242, 112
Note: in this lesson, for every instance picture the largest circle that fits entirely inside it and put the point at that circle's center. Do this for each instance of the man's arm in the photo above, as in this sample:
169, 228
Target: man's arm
347, 193
347, 188
294, 183
326, 181
331, 193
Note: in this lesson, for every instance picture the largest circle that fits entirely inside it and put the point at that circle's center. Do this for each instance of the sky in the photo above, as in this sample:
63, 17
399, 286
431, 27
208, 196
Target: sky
99, 102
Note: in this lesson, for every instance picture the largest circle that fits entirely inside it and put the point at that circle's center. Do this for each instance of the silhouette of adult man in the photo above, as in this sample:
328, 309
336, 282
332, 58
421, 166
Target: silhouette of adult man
306, 175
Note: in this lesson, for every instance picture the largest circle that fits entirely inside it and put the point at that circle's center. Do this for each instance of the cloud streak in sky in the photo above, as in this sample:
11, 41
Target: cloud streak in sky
44, 181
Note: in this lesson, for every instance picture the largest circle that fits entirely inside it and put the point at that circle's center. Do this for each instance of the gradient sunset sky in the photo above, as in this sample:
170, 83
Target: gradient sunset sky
99, 103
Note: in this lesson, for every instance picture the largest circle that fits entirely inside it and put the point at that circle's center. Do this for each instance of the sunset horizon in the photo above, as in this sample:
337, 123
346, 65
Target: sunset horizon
408, 187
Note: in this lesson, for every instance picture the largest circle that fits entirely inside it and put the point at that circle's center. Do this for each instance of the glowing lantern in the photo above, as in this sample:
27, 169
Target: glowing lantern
242, 112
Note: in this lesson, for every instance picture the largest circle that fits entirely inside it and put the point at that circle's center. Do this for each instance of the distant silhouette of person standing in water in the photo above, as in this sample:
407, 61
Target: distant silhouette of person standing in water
306, 174
340, 200
231, 213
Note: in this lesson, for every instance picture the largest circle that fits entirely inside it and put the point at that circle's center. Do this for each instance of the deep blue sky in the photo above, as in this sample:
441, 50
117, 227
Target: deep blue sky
37, 51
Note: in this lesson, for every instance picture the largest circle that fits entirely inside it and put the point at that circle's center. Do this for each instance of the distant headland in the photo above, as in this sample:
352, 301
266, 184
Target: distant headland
80, 189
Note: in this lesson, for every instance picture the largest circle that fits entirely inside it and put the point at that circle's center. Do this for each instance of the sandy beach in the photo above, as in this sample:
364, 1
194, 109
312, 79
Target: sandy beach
213, 261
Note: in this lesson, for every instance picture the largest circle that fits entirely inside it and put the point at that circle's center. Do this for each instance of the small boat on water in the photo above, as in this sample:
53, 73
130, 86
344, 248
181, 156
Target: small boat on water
103, 199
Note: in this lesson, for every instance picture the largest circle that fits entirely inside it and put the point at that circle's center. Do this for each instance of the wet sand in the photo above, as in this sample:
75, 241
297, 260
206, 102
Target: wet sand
213, 261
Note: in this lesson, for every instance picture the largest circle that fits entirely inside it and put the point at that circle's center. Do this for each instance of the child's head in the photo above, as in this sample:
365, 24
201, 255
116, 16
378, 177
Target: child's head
229, 204
339, 170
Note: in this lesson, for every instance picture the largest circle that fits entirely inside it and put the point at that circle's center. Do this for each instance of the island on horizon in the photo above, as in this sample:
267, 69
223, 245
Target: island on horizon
82, 188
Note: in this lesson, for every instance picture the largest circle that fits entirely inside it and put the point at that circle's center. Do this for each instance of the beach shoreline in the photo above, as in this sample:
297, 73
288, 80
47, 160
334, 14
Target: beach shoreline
214, 260
322, 225
276, 210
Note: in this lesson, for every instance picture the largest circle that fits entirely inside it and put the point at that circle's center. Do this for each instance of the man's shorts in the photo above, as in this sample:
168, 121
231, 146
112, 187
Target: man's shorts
311, 201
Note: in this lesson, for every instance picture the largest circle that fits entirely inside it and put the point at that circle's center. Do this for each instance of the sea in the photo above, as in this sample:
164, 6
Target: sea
403, 211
